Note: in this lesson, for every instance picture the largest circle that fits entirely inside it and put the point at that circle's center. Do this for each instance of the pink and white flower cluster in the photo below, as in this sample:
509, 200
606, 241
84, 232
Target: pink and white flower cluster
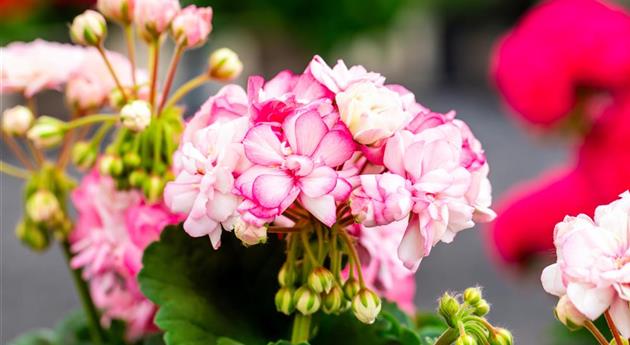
321, 140
112, 230
592, 272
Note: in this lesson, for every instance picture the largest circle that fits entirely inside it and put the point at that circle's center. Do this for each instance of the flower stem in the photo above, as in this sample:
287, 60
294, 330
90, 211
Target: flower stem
301, 328
14, 171
307, 248
613, 328
17, 150
353, 254
596, 333
96, 331
88, 120
153, 63
448, 337
170, 75
101, 51
186, 88
131, 51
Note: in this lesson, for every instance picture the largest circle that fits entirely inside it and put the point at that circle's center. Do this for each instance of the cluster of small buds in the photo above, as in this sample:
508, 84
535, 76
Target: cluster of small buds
464, 316
136, 115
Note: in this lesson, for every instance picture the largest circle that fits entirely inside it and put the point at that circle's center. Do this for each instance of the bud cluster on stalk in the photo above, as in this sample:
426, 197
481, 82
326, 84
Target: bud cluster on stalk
465, 314
307, 287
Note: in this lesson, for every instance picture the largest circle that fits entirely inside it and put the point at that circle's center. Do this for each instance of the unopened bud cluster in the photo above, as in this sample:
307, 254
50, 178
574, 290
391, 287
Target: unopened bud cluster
465, 314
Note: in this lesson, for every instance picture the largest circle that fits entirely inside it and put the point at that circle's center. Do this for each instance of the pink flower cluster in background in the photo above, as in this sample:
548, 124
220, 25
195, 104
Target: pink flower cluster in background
318, 141
593, 268
112, 230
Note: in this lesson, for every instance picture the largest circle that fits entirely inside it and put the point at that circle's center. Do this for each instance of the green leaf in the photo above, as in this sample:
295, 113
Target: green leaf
37, 337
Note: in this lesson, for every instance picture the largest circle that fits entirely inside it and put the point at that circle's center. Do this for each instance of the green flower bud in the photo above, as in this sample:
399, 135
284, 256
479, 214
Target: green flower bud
465, 340
284, 301
116, 98
286, 276
47, 132
17, 120
472, 295
568, 314
153, 188
43, 207
224, 64
351, 287
132, 160
321, 280
84, 155
88, 28
110, 165
448, 308
137, 178
332, 300
32, 236
482, 308
306, 300
366, 306
502, 337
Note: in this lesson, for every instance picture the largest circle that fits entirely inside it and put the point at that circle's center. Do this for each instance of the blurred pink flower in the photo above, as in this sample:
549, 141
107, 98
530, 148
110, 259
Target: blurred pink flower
593, 264
542, 67
153, 17
29, 68
192, 25
119, 10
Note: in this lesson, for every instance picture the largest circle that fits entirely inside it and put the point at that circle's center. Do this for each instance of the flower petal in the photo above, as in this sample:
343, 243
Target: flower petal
323, 208
262, 146
308, 132
590, 301
271, 190
335, 148
551, 279
320, 181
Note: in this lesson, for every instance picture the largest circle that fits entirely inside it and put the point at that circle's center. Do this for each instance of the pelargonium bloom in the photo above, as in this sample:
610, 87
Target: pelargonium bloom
192, 25
593, 265
112, 230
298, 164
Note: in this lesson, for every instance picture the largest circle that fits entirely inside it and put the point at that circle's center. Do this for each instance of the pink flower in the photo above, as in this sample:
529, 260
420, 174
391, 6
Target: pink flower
39, 65
192, 26
382, 270
112, 230
593, 267
542, 67
203, 186
119, 10
340, 77
381, 199
297, 165
153, 17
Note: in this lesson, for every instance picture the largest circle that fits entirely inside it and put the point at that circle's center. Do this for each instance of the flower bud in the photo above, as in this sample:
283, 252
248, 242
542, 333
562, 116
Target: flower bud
306, 300
448, 307
351, 287
286, 276
249, 234
118, 10
321, 280
284, 301
137, 178
88, 28
17, 120
465, 340
42, 206
366, 306
132, 160
153, 17
153, 188
32, 236
136, 115
84, 155
110, 165
116, 98
482, 308
472, 295
47, 132
502, 337
332, 300
192, 25
224, 65
568, 314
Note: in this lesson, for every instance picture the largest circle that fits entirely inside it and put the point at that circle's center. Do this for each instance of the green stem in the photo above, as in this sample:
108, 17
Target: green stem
100, 133
186, 88
153, 63
131, 51
170, 75
301, 328
101, 51
307, 248
448, 337
96, 331
88, 120
596, 333
354, 257
14, 171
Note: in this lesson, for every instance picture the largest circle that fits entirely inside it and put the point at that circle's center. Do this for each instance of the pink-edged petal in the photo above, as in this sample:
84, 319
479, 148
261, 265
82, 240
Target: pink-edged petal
411, 248
323, 208
215, 237
308, 132
342, 190
320, 181
335, 148
620, 314
271, 190
262, 146
551, 279
197, 227
590, 301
